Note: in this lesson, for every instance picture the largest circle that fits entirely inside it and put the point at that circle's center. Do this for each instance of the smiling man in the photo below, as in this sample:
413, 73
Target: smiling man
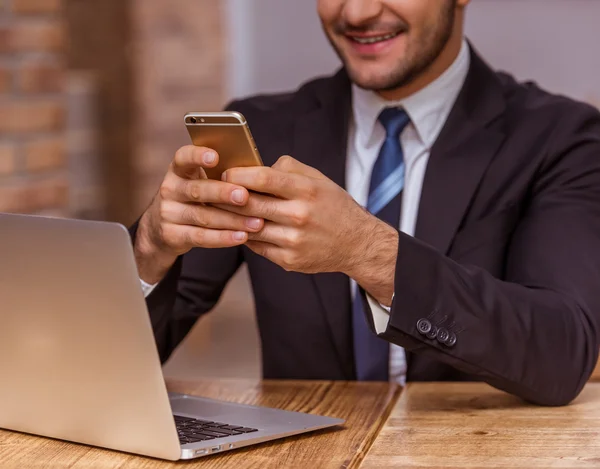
436, 220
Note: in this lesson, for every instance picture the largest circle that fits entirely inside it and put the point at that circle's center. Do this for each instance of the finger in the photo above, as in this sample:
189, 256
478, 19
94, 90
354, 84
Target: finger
278, 235
270, 181
190, 160
266, 207
287, 164
203, 191
204, 216
269, 251
191, 237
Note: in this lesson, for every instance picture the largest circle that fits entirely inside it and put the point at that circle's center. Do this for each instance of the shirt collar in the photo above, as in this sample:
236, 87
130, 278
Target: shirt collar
428, 108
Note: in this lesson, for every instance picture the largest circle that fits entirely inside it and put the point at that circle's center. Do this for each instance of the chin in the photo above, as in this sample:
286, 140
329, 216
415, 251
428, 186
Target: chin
374, 81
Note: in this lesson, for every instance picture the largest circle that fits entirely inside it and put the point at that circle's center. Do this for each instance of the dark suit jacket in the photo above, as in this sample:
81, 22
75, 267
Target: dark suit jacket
506, 254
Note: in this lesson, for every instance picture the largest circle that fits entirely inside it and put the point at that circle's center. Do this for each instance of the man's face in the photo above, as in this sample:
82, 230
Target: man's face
386, 44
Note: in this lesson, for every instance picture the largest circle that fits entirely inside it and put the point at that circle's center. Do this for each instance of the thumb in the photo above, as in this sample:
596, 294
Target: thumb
287, 164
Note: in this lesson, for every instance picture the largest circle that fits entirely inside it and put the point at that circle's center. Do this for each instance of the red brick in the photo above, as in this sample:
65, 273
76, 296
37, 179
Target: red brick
33, 196
45, 154
41, 77
5, 80
25, 36
31, 116
5, 45
37, 6
8, 159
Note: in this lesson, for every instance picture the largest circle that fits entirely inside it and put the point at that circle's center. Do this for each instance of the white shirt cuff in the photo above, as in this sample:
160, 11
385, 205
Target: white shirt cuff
381, 314
147, 288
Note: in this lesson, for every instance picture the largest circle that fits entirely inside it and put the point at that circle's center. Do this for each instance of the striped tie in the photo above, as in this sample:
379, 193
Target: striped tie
371, 354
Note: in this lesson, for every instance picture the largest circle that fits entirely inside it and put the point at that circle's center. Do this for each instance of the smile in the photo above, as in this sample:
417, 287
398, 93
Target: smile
374, 39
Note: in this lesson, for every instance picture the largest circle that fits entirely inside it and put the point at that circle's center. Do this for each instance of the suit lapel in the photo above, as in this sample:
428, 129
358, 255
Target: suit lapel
459, 158
321, 134
320, 140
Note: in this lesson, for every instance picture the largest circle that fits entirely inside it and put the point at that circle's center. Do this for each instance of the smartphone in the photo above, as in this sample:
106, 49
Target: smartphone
228, 134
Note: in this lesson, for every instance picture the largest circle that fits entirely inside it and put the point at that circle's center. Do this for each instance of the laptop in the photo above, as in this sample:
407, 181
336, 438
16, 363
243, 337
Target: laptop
78, 360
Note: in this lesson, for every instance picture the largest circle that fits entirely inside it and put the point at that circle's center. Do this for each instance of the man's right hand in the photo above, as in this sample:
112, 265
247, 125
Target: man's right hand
180, 217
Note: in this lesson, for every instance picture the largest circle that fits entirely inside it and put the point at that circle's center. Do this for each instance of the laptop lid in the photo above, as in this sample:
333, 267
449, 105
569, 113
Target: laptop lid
78, 359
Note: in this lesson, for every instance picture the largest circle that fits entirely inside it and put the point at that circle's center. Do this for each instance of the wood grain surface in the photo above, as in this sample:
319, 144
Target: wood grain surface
365, 406
452, 425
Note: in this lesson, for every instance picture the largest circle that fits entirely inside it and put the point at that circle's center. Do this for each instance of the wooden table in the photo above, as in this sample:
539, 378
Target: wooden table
448, 425
433, 425
365, 406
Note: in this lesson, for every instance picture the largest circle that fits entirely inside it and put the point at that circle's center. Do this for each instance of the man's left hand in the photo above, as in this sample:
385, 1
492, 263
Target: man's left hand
312, 225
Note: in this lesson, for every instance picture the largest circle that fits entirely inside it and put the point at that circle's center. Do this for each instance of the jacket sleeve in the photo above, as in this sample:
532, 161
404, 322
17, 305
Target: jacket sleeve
190, 289
535, 333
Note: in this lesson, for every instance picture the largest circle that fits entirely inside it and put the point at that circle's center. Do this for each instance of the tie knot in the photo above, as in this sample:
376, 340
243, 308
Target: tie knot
394, 121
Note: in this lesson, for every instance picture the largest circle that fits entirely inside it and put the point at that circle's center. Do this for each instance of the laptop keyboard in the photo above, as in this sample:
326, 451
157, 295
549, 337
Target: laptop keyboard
192, 430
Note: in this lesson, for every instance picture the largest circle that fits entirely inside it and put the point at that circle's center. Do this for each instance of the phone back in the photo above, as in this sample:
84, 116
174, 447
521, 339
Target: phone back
228, 134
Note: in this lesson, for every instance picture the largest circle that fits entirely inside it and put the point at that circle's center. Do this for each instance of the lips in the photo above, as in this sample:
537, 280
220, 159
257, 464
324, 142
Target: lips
373, 39
373, 44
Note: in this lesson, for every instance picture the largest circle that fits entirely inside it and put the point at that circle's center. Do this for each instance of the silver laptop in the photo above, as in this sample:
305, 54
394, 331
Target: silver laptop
78, 360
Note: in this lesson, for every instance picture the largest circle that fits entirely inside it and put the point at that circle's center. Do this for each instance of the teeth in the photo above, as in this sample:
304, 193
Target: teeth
373, 40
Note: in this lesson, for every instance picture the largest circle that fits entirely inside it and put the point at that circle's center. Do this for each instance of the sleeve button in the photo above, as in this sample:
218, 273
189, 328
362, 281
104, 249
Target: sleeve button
424, 326
443, 335
451, 340
432, 334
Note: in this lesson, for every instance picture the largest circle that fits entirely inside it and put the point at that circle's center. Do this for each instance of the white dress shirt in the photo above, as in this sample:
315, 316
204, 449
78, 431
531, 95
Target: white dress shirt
147, 288
428, 110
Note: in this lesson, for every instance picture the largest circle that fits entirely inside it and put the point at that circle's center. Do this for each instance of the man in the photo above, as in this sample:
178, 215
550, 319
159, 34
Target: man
477, 257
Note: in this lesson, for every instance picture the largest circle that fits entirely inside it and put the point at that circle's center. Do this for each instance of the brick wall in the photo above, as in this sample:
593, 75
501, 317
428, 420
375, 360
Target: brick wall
99, 46
179, 54
33, 175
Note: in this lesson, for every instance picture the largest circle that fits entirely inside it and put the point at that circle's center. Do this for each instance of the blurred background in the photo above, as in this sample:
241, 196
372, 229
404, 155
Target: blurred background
93, 93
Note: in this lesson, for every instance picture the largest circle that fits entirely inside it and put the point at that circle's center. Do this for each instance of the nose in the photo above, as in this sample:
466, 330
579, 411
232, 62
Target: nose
358, 12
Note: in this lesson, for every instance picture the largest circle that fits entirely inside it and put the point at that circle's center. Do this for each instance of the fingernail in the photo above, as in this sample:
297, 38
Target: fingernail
210, 157
238, 196
253, 223
239, 236
224, 176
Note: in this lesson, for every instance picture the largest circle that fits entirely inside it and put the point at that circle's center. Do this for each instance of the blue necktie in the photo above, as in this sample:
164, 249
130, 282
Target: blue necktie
371, 353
